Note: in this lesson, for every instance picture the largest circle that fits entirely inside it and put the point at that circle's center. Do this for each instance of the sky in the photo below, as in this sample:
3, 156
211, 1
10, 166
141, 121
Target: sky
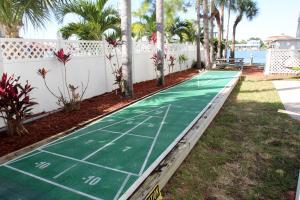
275, 17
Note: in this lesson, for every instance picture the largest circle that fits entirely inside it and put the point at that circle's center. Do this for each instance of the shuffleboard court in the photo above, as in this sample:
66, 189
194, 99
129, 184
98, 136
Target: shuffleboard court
110, 157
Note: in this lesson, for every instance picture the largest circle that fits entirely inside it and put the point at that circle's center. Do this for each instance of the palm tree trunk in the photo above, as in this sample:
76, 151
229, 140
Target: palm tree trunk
232, 51
211, 20
2, 31
198, 42
12, 31
206, 34
160, 41
127, 46
220, 30
228, 21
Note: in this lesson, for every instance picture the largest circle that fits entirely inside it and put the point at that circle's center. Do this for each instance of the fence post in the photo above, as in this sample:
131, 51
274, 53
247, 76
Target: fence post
268, 63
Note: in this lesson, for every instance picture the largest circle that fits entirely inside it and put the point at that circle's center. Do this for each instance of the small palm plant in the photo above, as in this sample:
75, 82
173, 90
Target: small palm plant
182, 60
73, 99
171, 63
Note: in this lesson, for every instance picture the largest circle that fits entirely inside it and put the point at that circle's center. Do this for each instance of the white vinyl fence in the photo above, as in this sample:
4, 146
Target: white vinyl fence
23, 57
281, 61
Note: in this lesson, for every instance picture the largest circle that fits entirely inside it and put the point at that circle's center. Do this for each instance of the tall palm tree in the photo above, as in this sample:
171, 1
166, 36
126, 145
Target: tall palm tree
211, 37
219, 15
127, 46
96, 18
160, 40
198, 8
244, 7
229, 7
14, 14
206, 34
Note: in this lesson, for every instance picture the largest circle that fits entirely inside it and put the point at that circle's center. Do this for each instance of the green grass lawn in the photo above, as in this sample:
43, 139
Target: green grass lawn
250, 151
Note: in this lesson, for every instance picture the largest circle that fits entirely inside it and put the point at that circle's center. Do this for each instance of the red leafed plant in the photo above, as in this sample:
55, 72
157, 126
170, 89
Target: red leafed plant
15, 103
73, 99
116, 67
171, 63
62, 57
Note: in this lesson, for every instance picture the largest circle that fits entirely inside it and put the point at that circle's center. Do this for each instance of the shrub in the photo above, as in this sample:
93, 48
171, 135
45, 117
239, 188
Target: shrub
116, 67
182, 59
73, 99
171, 63
15, 103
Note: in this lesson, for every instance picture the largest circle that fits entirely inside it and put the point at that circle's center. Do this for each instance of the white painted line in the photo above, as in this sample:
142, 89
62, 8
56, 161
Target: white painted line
122, 187
17, 160
61, 173
136, 135
89, 163
154, 141
107, 144
89, 132
54, 183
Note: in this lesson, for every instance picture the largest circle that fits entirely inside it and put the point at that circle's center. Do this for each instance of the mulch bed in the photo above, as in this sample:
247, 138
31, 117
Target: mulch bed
90, 108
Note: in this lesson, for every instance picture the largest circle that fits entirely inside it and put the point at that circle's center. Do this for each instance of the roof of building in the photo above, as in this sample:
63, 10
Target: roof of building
279, 37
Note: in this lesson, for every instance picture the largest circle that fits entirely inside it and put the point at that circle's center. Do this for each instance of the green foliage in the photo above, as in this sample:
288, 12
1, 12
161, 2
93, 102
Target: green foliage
96, 19
14, 14
15, 103
182, 59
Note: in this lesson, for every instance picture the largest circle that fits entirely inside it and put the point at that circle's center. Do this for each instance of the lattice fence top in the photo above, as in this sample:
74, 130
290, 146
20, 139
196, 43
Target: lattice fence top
19, 49
30, 49
282, 61
84, 48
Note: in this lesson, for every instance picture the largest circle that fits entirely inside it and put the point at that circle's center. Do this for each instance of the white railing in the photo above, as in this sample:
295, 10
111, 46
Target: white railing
282, 61
23, 57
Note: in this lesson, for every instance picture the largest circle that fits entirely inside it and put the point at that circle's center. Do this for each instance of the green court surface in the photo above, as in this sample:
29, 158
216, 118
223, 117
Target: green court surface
110, 157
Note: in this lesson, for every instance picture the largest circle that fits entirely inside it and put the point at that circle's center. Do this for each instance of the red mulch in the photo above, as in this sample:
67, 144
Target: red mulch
253, 71
90, 108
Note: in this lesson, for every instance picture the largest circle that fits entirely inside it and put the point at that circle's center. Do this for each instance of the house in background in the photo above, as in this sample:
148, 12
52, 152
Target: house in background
250, 45
283, 42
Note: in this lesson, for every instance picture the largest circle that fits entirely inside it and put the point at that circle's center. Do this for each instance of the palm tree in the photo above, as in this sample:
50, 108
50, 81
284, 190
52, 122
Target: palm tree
183, 29
219, 15
228, 24
14, 14
206, 34
244, 7
160, 40
211, 37
95, 19
146, 26
198, 6
127, 46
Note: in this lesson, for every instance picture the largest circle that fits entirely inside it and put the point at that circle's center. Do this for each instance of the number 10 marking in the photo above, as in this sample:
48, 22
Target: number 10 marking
92, 180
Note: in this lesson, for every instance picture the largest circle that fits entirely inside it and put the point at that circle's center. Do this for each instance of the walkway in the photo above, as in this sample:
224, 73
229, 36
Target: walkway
289, 92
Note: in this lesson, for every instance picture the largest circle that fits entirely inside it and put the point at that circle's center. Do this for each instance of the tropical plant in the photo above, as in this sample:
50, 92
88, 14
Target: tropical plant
96, 19
116, 66
229, 8
146, 26
182, 29
127, 47
243, 7
171, 63
15, 103
182, 60
14, 14
72, 100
